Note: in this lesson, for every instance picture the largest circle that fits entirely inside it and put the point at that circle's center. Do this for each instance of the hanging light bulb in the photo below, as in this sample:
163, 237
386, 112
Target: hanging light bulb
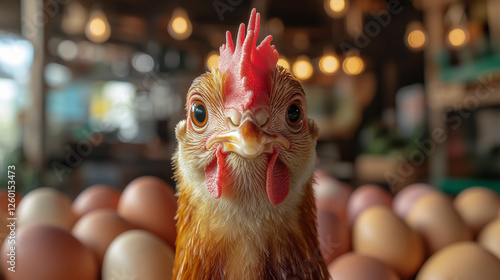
302, 68
329, 63
353, 65
282, 61
97, 29
180, 27
212, 60
416, 37
336, 8
458, 37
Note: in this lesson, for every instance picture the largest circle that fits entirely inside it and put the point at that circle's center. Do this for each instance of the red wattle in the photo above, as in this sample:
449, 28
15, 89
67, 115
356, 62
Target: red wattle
278, 180
214, 174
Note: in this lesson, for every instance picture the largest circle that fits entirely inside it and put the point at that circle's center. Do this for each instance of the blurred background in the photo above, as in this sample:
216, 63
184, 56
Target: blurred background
403, 91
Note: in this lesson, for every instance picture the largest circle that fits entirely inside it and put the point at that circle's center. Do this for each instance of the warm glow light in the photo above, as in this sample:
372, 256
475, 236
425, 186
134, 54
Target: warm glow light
284, 63
337, 5
457, 37
335, 8
353, 65
416, 39
328, 64
180, 27
212, 60
302, 68
97, 28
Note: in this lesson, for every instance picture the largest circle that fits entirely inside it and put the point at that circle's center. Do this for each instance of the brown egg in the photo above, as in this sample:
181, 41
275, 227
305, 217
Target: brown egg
352, 266
380, 234
406, 198
96, 197
7, 198
138, 254
434, 217
462, 261
48, 252
97, 229
331, 194
365, 197
46, 205
334, 235
489, 237
477, 206
149, 203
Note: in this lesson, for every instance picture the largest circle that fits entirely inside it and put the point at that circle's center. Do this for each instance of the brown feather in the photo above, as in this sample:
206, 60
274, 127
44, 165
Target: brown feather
242, 235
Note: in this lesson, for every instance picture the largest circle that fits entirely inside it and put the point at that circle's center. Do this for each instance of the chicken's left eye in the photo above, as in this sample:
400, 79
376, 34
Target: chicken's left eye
294, 114
199, 113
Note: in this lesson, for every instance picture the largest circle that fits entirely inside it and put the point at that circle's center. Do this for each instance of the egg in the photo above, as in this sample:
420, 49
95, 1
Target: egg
352, 266
149, 203
331, 194
462, 261
365, 197
96, 197
435, 218
46, 205
98, 229
138, 254
489, 237
406, 198
477, 206
48, 252
380, 234
333, 234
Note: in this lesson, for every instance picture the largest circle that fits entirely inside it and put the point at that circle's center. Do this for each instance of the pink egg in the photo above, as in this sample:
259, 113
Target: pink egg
150, 203
47, 252
406, 197
334, 235
352, 266
96, 197
331, 194
365, 197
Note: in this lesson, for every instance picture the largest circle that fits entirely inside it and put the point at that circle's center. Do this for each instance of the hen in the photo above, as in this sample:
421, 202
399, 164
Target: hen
243, 166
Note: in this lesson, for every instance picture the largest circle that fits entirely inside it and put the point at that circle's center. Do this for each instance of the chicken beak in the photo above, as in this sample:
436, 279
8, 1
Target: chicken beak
248, 140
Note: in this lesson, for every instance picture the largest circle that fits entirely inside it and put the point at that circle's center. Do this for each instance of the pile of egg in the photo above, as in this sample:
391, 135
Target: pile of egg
103, 234
420, 233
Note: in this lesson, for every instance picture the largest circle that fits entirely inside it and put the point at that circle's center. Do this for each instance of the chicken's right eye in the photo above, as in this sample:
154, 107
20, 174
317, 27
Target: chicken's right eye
198, 113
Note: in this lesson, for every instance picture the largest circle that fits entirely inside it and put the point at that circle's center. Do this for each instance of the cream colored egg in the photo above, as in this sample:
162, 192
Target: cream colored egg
477, 206
461, 261
138, 254
380, 234
352, 266
46, 205
489, 237
435, 218
98, 229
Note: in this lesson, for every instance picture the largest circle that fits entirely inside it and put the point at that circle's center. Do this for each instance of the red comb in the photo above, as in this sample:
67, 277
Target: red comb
247, 67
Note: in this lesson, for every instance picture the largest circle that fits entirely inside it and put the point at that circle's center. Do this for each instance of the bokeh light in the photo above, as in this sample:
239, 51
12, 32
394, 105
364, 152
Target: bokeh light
457, 37
97, 29
328, 64
302, 68
180, 28
353, 65
282, 61
212, 60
